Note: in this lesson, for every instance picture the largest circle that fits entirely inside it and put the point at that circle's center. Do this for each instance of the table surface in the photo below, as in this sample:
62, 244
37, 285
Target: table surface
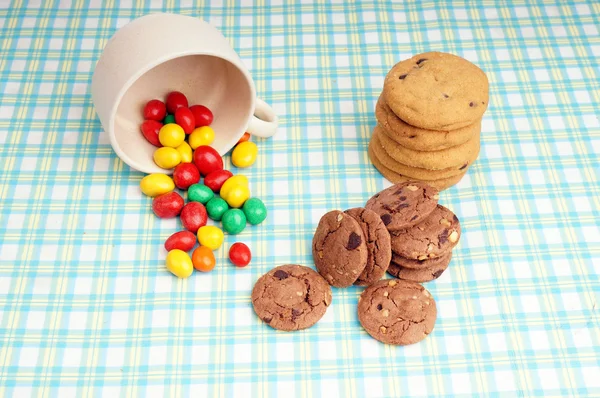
88, 309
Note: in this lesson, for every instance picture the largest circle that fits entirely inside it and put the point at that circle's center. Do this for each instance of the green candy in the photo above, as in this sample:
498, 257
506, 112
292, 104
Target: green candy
234, 221
255, 211
200, 193
216, 207
169, 119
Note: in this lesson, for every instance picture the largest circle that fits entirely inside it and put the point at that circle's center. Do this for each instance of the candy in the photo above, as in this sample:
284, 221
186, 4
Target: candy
207, 160
234, 221
244, 138
244, 154
202, 115
185, 118
240, 255
182, 240
175, 100
166, 157
200, 193
185, 175
255, 211
203, 259
169, 119
216, 179
179, 263
231, 182
216, 207
156, 184
193, 216
210, 236
168, 205
171, 135
155, 110
150, 129
186, 152
238, 195
202, 136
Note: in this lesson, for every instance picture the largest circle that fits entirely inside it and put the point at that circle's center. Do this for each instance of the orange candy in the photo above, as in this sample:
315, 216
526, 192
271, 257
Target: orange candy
245, 137
203, 259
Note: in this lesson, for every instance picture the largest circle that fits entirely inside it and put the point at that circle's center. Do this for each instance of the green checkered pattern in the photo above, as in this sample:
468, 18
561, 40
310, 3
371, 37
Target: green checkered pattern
87, 308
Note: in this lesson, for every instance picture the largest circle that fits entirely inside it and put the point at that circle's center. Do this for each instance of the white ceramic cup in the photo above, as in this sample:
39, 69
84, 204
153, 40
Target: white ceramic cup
159, 53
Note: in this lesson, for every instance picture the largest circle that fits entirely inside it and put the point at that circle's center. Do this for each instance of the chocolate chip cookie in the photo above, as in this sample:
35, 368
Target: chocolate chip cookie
431, 238
291, 297
397, 312
339, 249
437, 91
379, 250
421, 275
403, 205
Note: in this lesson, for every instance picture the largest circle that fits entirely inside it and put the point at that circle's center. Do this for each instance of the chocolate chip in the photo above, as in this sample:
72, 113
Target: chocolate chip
386, 218
402, 198
403, 205
401, 77
437, 274
379, 307
455, 218
472, 104
354, 241
463, 166
279, 274
267, 320
421, 60
295, 314
443, 237
445, 95
414, 217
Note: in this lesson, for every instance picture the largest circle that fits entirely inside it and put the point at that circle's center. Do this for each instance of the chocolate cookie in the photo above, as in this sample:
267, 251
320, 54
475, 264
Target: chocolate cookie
403, 205
291, 297
339, 249
437, 91
409, 171
421, 264
419, 139
397, 312
396, 178
379, 249
419, 275
433, 237
459, 156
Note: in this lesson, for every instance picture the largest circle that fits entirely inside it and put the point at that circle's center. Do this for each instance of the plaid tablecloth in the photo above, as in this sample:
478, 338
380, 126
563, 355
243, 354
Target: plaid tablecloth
87, 308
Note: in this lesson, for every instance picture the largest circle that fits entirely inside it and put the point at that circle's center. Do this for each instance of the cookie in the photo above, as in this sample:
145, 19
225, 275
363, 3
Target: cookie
339, 249
409, 171
431, 238
420, 264
379, 249
437, 91
396, 178
419, 275
419, 139
403, 205
459, 156
397, 312
291, 297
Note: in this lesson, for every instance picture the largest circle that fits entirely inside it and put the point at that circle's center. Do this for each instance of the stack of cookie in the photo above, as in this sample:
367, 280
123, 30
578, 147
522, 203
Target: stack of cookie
429, 119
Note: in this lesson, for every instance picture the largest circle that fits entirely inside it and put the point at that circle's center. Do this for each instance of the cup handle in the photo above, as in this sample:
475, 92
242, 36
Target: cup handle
264, 122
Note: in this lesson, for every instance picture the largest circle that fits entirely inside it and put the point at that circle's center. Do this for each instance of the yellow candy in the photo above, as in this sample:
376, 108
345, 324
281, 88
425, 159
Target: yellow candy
204, 135
166, 157
179, 263
210, 236
232, 182
244, 154
185, 151
156, 184
171, 135
237, 195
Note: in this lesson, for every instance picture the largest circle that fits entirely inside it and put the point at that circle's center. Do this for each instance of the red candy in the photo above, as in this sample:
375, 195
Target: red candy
168, 205
193, 216
202, 115
182, 240
185, 118
175, 100
239, 254
216, 179
207, 160
150, 130
155, 110
185, 175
